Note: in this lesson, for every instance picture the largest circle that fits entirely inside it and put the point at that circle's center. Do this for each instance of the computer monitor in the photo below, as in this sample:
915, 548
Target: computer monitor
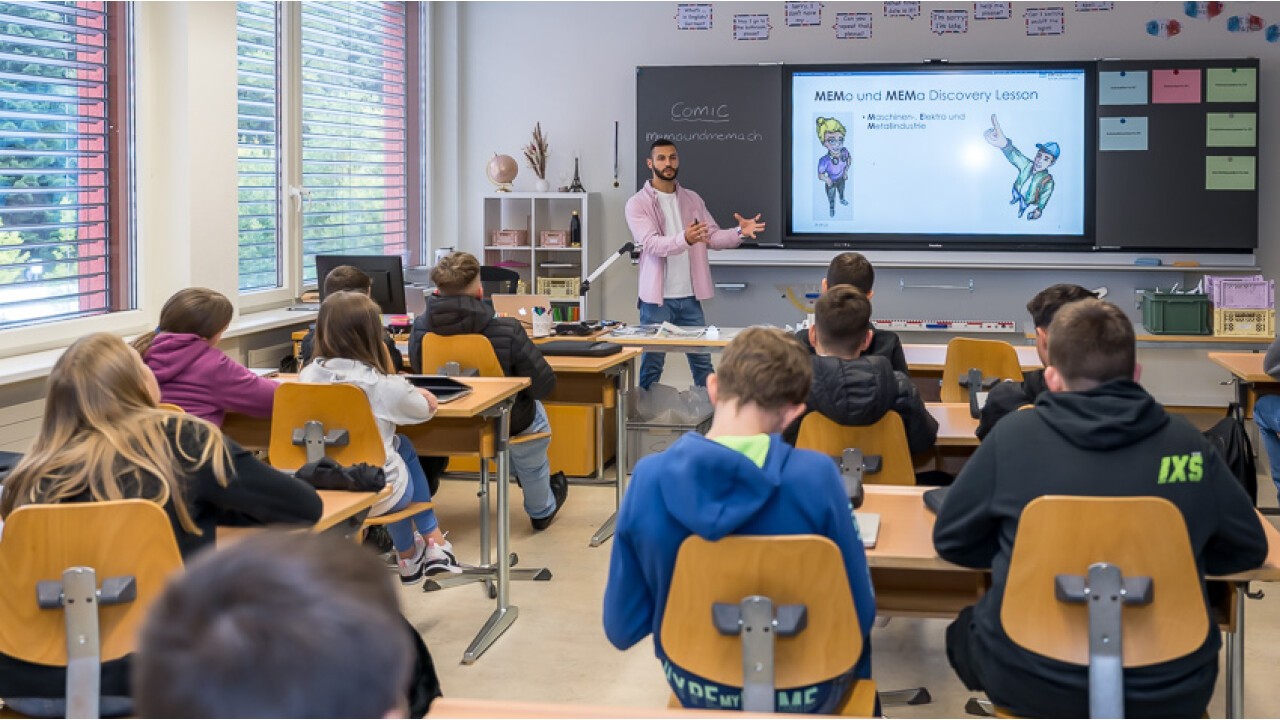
386, 272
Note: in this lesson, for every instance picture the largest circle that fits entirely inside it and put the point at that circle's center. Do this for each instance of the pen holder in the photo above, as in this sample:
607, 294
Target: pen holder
542, 324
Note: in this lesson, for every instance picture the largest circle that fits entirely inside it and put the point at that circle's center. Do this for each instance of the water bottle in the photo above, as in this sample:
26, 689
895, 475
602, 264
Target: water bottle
575, 230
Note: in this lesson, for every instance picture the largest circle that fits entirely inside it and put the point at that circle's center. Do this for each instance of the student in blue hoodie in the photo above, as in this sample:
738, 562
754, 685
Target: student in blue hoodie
741, 479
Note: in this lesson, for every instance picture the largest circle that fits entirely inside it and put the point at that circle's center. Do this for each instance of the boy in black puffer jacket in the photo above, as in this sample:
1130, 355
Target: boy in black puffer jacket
1096, 433
852, 387
853, 269
457, 308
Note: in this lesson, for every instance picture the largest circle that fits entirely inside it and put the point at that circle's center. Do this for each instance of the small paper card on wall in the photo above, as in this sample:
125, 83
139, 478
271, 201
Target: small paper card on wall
1232, 85
804, 14
1231, 130
1230, 172
1175, 86
853, 26
1094, 6
902, 9
992, 10
693, 16
751, 27
1045, 21
949, 22
1122, 133
1126, 87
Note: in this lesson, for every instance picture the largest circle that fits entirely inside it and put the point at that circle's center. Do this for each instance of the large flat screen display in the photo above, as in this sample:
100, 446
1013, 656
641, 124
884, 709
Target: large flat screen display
939, 155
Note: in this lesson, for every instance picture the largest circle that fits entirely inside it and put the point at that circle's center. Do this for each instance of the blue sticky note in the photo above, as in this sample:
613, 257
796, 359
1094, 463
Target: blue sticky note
1126, 87
1122, 133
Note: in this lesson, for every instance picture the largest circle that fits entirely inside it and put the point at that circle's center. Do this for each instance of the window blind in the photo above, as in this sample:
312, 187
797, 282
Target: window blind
55, 194
354, 130
258, 145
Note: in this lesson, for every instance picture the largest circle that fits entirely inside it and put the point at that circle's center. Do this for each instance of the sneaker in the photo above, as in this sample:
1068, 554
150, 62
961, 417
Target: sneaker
559, 490
440, 559
392, 558
411, 571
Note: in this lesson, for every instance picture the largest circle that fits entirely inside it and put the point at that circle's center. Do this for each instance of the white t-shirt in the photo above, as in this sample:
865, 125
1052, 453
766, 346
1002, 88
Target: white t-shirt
676, 280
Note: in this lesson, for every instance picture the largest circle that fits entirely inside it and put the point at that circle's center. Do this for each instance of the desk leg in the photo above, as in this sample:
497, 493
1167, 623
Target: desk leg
505, 614
349, 528
619, 454
1235, 656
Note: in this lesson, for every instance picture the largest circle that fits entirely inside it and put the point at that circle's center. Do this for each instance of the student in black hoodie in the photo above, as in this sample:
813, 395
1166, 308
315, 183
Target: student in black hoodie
1008, 396
457, 308
850, 385
1098, 433
852, 268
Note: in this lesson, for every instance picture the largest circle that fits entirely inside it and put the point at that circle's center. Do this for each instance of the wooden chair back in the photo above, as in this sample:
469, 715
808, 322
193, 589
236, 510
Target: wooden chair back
115, 538
995, 358
789, 569
469, 351
1142, 536
887, 437
336, 407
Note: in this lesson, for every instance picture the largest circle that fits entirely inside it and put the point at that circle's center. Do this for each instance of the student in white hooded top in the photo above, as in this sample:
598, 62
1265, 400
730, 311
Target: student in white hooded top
349, 349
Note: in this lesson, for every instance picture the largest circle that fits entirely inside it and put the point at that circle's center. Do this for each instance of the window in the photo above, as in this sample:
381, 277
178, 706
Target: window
352, 79
65, 240
258, 154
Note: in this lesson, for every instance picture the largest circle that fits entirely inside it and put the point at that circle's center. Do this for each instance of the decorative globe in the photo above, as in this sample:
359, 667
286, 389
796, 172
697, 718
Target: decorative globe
502, 169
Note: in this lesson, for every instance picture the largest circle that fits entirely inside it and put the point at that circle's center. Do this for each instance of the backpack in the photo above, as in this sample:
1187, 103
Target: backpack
1232, 441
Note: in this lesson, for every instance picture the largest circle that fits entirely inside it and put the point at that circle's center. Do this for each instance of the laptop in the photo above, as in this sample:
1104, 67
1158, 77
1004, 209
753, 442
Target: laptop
446, 389
520, 306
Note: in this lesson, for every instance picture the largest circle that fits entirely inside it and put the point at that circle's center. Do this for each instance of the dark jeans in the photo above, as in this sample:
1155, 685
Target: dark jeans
832, 189
685, 311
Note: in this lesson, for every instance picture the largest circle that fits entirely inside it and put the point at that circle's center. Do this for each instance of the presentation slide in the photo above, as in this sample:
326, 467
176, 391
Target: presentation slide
951, 152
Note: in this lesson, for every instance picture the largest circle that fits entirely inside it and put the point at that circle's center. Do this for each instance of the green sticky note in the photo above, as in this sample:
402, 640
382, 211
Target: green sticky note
1232, 130
1230, 172
1232, 85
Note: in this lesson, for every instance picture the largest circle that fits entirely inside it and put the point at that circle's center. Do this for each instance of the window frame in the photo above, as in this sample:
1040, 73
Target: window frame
289, 97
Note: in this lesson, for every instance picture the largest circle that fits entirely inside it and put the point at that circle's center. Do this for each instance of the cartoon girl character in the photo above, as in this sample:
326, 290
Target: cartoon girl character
833, 167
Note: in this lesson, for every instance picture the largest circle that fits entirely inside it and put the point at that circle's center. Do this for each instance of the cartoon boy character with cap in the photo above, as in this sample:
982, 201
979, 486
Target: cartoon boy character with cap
1034, 184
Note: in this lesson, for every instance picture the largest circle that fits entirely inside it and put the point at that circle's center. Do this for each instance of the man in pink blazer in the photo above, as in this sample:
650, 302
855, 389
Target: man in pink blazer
672, 229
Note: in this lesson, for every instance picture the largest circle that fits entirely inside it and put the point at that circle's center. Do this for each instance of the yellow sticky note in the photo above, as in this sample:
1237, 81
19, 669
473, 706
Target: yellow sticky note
1230, 172
1231, 130
1232, 85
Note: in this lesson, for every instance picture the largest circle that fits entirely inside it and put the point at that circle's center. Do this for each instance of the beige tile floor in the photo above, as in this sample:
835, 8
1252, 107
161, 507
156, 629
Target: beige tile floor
557, 651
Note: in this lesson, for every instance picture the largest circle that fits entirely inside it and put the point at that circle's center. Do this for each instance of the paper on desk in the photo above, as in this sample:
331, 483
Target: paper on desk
666, 329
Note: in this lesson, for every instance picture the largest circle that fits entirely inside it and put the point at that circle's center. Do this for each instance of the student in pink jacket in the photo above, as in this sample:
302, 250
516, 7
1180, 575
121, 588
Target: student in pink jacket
193, 373
672, 229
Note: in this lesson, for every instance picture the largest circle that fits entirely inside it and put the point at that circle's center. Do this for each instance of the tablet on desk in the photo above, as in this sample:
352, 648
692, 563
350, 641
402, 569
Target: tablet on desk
446, 389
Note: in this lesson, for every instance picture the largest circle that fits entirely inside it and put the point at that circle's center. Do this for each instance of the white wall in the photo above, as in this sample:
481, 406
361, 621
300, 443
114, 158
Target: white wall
571, 66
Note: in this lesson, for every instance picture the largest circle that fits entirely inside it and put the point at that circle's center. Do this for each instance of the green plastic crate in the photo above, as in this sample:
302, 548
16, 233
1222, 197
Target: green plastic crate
1165, 314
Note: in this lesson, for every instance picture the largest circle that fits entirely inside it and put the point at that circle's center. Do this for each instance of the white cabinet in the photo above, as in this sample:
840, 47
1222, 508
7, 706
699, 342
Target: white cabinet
553, 271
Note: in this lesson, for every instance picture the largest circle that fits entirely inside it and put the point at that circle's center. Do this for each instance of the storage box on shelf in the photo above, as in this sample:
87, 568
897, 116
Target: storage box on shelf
1171, 314
1254, 322
558, 287
1242, 306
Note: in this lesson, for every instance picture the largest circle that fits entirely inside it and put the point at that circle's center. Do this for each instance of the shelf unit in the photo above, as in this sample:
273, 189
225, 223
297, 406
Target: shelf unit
533, 213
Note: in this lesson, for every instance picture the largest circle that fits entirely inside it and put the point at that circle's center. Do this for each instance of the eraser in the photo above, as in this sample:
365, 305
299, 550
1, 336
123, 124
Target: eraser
1147, 261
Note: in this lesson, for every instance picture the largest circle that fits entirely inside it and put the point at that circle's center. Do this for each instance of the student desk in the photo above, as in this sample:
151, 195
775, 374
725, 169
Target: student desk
604, 382
911, 580
1250, 379
956, 427
481, 421
344, 513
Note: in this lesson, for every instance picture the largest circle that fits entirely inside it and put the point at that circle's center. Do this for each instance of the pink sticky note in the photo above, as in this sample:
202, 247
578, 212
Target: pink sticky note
1175, 86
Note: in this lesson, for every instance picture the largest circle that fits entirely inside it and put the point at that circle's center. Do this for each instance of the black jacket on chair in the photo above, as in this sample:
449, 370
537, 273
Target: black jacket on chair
519, 357
860, 392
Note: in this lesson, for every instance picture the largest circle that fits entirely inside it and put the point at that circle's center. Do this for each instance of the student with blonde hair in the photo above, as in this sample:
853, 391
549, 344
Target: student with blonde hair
349, 349
102, 437
193, 373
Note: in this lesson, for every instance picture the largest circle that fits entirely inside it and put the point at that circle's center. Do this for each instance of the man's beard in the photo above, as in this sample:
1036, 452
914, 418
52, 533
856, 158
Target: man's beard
661, 174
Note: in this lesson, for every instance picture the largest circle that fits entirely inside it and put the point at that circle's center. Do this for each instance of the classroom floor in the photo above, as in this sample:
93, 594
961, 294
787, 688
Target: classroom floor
557, 652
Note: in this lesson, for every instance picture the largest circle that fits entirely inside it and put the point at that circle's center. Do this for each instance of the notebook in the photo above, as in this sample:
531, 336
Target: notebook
868, 525
446, 389
520, 306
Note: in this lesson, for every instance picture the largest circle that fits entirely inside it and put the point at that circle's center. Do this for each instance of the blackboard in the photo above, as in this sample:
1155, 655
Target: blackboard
1158, 198
726, 122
